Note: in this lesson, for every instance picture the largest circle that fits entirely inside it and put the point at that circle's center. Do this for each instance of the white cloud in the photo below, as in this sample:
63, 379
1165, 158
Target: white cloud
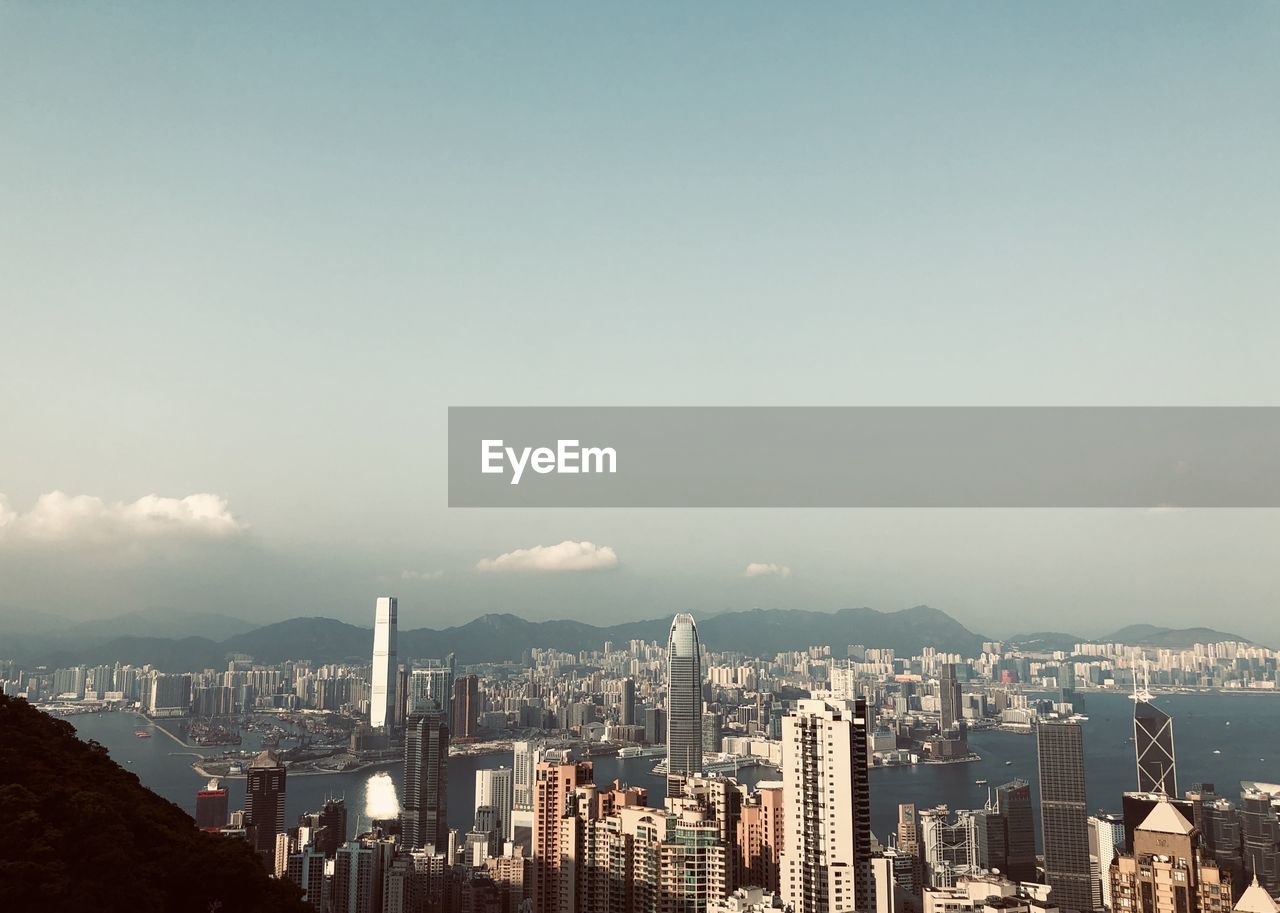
567, 556
421, 575
758, 569
58, 517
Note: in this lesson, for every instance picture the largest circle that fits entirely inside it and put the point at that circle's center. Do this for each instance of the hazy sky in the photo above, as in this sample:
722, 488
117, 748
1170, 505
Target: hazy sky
254, 251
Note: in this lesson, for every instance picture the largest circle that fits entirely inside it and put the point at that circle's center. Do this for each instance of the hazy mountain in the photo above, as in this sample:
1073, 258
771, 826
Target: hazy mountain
495, 638
165, 622
1173, 638
1047, 641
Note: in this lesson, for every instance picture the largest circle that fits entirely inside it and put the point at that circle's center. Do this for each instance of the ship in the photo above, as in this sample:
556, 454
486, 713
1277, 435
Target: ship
141, 734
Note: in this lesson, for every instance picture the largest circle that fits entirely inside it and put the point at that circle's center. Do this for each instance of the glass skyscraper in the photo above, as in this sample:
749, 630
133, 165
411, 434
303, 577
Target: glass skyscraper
1153, 744
684, 703
1064, 817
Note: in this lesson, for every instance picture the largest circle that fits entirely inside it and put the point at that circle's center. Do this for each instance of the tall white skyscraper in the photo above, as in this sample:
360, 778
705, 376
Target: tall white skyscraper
826, 856
494, 788
684, 703
382, 694
527, 756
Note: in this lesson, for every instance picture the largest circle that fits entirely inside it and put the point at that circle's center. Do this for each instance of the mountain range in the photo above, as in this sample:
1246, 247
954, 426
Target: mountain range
175, 642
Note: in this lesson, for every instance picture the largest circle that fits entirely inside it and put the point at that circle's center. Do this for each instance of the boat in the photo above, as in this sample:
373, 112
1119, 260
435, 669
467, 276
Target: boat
979, 782
141, 734
1007, 763
1217, 751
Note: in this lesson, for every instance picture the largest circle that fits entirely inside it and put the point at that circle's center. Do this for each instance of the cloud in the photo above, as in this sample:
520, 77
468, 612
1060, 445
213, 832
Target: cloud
421, 575
58, 517
567, 556
757, 569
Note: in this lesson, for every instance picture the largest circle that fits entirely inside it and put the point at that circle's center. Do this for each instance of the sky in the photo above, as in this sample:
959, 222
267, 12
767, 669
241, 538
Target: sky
250, 254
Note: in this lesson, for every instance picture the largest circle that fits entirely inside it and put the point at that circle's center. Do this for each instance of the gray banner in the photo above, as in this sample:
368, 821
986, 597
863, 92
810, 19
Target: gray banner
864, 457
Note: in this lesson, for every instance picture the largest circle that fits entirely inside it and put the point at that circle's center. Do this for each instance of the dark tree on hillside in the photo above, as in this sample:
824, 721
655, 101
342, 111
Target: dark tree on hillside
81, 833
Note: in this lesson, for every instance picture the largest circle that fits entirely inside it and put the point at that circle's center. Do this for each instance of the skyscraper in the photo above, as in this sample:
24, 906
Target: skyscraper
264, 804
627, 702
1153, 745
949, 698
1064, 818
211, 807
684, 703
1106, 841
554, 787
826, 852
1167, 871
465, 706
1013, 802
382, 692
424, 821
494, 789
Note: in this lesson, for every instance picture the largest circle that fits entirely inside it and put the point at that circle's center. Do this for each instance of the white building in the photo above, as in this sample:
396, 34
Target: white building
826, 856
382, 691
494, 788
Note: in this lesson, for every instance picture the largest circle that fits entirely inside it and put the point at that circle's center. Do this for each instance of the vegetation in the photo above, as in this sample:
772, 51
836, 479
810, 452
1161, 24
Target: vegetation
81, 833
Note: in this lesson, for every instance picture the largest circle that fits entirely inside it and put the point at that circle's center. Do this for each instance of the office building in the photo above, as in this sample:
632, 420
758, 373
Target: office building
627, 702
1064, 820
359, 874
1166, 871
949, 698
684, 703
264, 805
494, 788
826, 853
1106, 841
382, 686
465, 707
211, 807
1260, 832
1013, 802
1153, 747
424, 822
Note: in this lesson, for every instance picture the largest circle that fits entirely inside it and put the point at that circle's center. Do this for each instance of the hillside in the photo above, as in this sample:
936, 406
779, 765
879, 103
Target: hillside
501, 637
81, 833
1173, 638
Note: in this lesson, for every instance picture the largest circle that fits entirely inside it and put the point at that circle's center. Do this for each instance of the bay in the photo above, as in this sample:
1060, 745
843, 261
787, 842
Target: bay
1244, 728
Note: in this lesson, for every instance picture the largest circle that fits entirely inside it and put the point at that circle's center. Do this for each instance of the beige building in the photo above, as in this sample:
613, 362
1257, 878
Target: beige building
1166, 873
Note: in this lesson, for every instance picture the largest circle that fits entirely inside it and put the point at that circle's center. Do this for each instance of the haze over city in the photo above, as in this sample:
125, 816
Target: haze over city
250, 259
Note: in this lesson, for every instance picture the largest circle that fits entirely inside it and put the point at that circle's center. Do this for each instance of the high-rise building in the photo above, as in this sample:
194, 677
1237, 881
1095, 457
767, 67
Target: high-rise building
908, 829
1106, 841
949, 698
211, 807
359, 873
306, 869
1064, 818
264, 804
627, 702
1260, 826
1153, 746
554, 798
424, 820
430, 688
826, 854
1166, 871
332, 832
382, 690
494, 788
684, 703
465, 706
761, 826
1013, 802
1218, 821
